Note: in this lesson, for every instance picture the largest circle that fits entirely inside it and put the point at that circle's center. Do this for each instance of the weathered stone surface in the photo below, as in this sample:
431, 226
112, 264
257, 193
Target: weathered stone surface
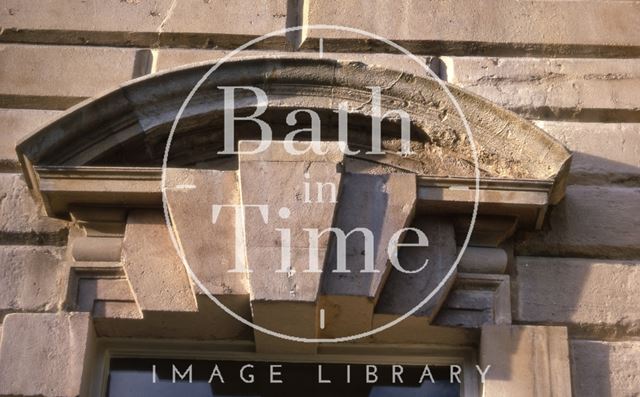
414, 331
605, 369
210, 322
402, 291
525, 361
49, 355
157, 276
111, 15
163, 292
590, 221
16, 124
595, 296
94, 292
484, 25
192, 196
476, 300
294, 201
602, 152
86, 216
219, 16
97, 249
483, 260
296, 319
383, 205
21, 217
592, 89
56, 77
171, 58
488, 231
31, 279
116, 22
105, 311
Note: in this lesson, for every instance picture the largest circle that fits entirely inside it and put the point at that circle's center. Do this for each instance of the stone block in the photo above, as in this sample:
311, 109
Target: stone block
222, 17
349, 298
476, 300
47, 355
110, 15
122, 319
97, 249
525, 361
301, 193
22, 220
591, 89
602, 152
403, 291
591, 221
31, 278
381, 204
415, 331
294, 202
114, 22
605, 369
157, 276
94, 293
471, 26
592, 295
483, 260
56, 77
296, 319
16, 124
193, 197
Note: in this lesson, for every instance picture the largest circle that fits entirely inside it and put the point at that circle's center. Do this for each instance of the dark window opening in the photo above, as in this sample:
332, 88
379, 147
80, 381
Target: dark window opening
199, 378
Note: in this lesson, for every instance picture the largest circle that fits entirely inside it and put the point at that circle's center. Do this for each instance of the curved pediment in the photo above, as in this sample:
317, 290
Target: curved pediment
107, 153
129, 126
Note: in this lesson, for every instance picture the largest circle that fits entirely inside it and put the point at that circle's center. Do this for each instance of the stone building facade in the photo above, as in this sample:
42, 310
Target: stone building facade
545, 292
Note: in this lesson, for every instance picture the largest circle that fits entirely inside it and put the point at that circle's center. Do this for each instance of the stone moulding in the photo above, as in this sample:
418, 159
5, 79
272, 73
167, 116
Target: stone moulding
129, 125
62, 186
107, 152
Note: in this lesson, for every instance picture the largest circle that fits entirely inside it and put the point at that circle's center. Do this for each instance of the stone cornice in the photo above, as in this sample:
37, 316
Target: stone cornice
141, 187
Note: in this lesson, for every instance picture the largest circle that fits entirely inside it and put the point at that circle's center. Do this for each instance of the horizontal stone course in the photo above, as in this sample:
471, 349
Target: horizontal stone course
31, 279
170, 58
568, 88
592, 296
110, 15
22, 220
591, 221
141, 23
605, 368
492, 25
602, 152
459, 27
56, 77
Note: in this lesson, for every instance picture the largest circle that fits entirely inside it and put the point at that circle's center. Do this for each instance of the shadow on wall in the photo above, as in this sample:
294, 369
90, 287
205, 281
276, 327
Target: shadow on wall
565, 275
597, 358
589, 169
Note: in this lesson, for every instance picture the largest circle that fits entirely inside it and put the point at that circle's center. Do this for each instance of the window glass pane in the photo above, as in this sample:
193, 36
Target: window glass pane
199, 378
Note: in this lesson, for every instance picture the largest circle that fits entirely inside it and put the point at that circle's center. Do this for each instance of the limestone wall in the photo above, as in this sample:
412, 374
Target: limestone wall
572, 67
